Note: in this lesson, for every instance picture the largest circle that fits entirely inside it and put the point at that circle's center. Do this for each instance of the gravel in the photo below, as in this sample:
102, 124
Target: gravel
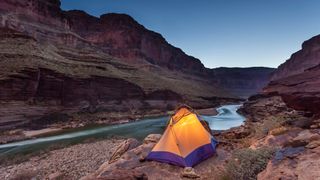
71, 163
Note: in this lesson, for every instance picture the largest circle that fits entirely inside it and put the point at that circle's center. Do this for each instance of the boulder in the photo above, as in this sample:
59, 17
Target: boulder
278, 131
152, 138
313, 144
307, 136
122, 148
189, 172
126, 159
303, 166
237, 133
132, 165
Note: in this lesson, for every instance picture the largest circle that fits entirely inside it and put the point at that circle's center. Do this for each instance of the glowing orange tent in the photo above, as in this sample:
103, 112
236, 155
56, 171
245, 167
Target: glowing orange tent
185, 141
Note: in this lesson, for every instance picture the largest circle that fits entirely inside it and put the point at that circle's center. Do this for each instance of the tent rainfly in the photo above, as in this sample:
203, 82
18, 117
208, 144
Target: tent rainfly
185, 141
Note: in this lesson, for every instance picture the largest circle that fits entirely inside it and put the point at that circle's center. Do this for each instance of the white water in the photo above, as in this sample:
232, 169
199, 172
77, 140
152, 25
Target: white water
226, 118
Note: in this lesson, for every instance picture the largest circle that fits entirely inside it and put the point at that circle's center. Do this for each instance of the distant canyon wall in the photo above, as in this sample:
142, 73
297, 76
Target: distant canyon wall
242, 82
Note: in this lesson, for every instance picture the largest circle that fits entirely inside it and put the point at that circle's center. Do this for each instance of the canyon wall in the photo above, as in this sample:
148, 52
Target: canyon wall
242, 82
306, 58
69, 62
116, 34
297, 80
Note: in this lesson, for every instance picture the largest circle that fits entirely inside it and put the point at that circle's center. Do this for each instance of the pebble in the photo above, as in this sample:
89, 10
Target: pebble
71, 162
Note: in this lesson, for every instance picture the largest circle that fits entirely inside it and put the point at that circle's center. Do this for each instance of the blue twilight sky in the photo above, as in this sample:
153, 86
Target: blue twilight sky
231, 33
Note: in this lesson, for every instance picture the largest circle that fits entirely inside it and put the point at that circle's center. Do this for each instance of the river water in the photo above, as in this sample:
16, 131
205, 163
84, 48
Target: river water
226, 118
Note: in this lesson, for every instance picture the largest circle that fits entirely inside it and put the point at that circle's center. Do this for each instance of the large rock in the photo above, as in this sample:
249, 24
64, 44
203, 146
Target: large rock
274, 141
126, 161
297, 152
152, 138
189, 172
131, 165
122, 148
261, 106
313, 144
302, 166
307, 136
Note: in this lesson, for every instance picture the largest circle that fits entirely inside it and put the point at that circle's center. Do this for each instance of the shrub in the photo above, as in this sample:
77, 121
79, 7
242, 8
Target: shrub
246, 164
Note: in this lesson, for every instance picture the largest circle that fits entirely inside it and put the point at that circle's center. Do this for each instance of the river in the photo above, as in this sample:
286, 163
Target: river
226, 118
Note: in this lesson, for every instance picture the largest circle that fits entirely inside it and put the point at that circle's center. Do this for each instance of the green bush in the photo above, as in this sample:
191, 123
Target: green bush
246, 164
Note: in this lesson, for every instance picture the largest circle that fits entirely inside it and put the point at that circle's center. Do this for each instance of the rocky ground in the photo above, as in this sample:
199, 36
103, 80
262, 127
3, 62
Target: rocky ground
68, 163
298, 157
276, 142
131, 164
294, 136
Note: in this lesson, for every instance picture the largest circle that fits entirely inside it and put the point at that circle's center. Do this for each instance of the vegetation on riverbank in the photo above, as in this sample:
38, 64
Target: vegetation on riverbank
246, 164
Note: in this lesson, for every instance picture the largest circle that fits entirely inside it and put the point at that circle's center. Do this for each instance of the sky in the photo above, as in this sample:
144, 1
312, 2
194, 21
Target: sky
221, 33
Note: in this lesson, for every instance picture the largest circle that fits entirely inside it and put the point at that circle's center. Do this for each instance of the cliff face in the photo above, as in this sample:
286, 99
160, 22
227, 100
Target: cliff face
46, 85
301, 91
116, 34
298, 79
38, 80
306, 58
57, 64
66, 62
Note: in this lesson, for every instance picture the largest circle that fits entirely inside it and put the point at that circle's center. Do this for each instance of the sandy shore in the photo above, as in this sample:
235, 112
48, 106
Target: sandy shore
70, 163
208, 111
35, 133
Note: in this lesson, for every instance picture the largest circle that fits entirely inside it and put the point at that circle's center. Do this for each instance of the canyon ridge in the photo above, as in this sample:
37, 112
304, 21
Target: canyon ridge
67, 65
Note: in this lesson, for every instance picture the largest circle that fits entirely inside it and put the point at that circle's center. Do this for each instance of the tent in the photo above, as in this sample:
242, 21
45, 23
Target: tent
185, 141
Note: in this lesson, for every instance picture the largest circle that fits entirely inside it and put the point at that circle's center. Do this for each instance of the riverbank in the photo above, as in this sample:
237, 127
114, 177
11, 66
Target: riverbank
67, 137
25, 133
70, 163
208, 111
56, 128
65, 143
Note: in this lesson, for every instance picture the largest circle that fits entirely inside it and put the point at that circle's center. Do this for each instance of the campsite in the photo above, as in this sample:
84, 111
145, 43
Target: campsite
171, 89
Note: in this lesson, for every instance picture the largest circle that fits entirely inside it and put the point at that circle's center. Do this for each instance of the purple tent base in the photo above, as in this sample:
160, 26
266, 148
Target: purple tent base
197, 156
